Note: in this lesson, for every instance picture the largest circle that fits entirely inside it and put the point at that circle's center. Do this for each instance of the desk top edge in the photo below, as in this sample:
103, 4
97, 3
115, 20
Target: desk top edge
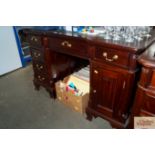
132, 47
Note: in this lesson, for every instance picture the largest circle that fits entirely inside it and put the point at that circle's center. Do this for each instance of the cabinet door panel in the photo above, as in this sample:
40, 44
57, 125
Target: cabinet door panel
108, 85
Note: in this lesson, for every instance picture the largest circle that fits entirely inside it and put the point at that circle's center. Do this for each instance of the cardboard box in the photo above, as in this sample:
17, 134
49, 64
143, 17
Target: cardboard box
78, 103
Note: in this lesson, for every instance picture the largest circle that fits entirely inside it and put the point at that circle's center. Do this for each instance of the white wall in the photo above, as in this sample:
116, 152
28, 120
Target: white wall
9, 55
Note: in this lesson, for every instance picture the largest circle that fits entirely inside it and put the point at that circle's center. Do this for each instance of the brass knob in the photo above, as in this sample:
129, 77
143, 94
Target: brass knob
104, 54
41, 67
63, 44
94, 91
95, 71
39, 77
69, 45
115, 57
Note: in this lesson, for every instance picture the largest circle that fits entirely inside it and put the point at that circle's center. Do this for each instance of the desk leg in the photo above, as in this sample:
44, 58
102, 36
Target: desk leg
51, 92
36, 86
89, 115
130, 124
51, 89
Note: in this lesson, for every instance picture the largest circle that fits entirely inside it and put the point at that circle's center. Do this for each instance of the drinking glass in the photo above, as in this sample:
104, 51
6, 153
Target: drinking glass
109, 31
129, 34
117, 32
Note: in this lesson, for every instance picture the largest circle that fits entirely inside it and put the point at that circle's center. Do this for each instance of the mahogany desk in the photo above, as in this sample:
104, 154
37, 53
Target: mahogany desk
114, 70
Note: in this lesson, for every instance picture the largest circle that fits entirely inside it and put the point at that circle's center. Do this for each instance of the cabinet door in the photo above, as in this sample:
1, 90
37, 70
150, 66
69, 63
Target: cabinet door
107, 88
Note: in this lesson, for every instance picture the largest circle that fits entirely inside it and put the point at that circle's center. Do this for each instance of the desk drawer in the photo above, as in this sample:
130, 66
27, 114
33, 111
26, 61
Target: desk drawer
120, 58
41, 78
41, 73
37, 54
39, 67
72, 47
35, 41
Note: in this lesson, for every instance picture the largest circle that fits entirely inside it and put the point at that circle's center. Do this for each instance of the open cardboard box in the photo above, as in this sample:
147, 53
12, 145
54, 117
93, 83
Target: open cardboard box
78, 103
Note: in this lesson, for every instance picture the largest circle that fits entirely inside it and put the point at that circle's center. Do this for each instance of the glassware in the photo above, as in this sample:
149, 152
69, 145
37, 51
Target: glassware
129, 34
108, 33
116, 33
139, 33
147, 30
123, 32
126, 33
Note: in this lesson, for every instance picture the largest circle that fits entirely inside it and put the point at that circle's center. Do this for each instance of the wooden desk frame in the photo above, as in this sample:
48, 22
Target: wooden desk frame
114, 70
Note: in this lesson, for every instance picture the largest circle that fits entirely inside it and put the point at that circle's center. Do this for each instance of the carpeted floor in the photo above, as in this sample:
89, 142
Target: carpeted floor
22, 107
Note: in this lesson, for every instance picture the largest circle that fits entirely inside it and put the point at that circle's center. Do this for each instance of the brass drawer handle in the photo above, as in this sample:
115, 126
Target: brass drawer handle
33, 38
66, 43
95, 71
37, 54
39, 67
41, 79
115, 57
